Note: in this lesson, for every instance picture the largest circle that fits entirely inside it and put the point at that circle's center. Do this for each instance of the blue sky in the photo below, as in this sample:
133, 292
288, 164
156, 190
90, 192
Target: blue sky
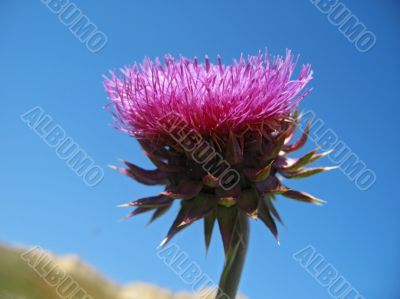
43, 202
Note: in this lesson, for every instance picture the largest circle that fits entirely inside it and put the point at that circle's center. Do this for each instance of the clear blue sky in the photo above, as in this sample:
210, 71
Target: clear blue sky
42, 202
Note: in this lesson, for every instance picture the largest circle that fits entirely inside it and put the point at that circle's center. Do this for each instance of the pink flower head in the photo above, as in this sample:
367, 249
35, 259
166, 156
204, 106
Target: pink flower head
213, 99
219, 137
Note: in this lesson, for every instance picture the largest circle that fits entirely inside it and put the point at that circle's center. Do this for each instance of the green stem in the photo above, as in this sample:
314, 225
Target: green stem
234, 261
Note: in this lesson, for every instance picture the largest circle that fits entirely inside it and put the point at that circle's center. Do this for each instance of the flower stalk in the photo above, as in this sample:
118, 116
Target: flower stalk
235, 260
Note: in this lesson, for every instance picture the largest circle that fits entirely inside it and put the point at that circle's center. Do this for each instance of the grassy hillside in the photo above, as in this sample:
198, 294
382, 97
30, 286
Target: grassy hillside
51, 277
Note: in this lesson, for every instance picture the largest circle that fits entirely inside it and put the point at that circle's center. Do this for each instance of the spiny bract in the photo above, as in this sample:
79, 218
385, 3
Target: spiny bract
219, 135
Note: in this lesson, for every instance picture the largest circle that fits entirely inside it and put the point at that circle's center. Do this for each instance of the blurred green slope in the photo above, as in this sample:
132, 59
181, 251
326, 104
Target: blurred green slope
19, 281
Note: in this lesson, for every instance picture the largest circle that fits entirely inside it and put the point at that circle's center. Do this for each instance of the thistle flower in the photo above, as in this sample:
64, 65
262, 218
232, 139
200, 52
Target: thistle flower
219, 136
